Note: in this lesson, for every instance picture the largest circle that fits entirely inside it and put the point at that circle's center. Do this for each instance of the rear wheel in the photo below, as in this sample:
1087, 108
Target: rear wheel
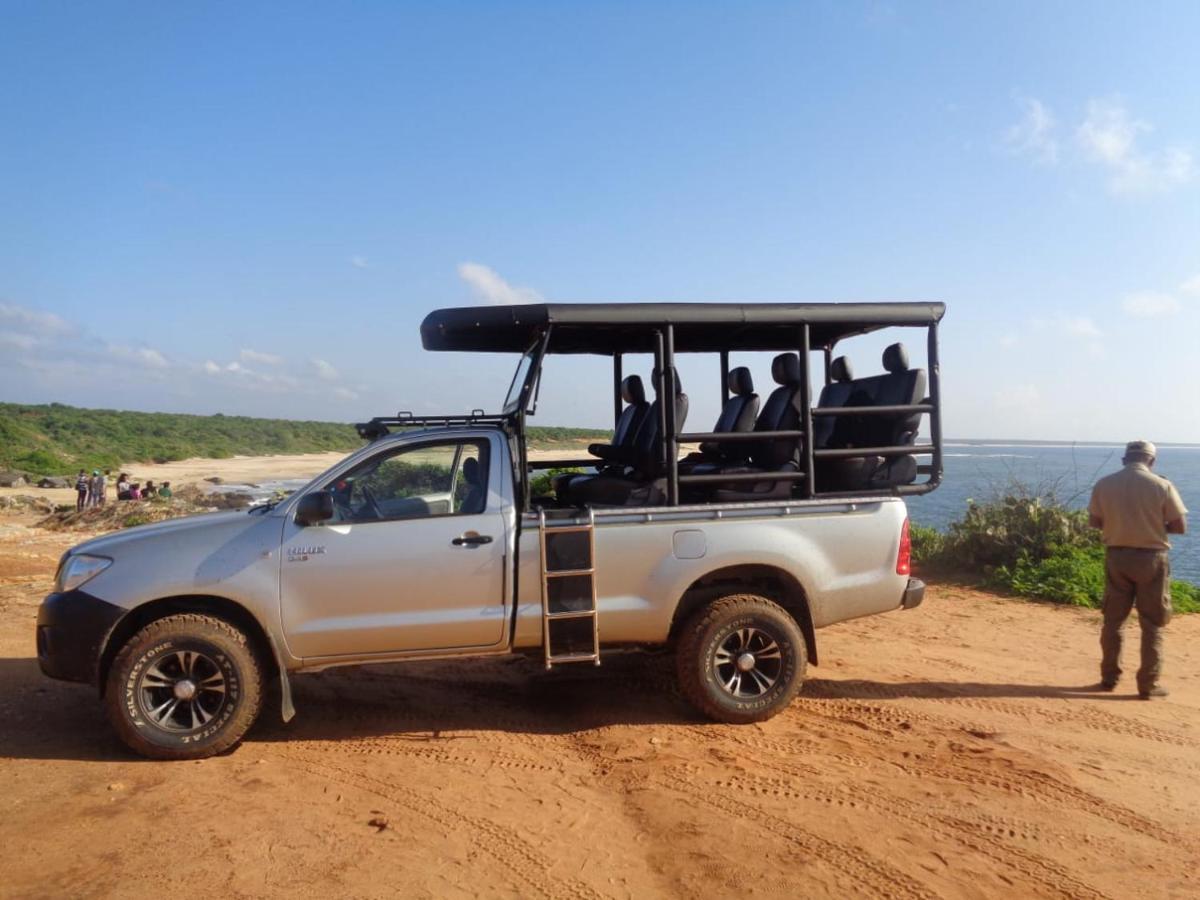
741, 659
184, 687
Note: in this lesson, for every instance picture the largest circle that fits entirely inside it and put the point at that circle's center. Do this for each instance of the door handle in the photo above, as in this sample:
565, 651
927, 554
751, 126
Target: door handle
471, 539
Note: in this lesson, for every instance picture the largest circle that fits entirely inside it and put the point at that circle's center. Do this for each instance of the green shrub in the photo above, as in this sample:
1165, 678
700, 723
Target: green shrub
928, 544
542, 483
1032, 545
1072, 575
1005, 530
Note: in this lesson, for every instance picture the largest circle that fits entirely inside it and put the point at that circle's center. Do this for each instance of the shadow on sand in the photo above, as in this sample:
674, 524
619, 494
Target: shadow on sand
45, 719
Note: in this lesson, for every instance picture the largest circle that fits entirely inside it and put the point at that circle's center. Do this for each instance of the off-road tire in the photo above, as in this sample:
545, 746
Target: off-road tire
716, 624
226, 652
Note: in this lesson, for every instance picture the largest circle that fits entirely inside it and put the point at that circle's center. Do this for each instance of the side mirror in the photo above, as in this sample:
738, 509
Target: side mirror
314, 508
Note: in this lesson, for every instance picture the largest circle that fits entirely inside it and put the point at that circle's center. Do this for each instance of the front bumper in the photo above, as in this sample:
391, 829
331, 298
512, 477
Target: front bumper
72, 629
914, 593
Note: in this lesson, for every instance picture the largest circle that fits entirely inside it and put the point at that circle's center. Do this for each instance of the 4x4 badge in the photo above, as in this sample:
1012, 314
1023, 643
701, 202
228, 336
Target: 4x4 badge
300, 554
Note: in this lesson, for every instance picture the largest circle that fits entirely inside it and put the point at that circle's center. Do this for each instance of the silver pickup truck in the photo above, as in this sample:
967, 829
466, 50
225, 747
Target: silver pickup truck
440, 538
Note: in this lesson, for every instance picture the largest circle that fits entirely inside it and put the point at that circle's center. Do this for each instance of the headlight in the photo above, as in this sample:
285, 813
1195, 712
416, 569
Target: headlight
78, 570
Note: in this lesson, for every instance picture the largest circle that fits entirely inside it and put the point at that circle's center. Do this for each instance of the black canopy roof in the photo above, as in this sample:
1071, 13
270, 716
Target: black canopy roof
608, 328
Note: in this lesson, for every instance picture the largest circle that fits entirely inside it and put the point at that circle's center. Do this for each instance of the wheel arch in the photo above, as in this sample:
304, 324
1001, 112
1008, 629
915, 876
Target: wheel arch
204, 604
770, 581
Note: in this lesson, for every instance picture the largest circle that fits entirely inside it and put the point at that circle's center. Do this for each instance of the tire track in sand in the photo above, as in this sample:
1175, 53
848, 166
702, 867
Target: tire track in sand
527, 865
873, 876
1034, 867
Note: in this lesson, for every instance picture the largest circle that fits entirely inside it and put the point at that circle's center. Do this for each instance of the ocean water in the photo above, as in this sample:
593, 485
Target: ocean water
980, 471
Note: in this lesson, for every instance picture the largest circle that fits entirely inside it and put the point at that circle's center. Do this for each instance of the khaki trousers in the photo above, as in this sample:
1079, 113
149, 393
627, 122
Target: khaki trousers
1138, 577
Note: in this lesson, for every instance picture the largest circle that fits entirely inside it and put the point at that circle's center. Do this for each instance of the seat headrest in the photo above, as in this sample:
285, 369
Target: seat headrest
840, 370
740, 381
785, 368
895, 358
632, 390
470, 470
678, 384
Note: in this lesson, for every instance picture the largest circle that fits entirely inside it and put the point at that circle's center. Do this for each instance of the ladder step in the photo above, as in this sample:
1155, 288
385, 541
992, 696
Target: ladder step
573, 657
566, 573
572, 614
566, 529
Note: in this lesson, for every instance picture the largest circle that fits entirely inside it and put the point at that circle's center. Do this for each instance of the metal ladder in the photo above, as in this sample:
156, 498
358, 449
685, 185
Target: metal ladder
549, 535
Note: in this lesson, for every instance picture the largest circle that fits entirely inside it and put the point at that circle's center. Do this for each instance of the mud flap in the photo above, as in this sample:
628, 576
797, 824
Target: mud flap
288, 712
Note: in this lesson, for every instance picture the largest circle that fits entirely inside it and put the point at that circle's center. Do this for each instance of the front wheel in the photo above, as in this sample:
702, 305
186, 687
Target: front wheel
184, 687
741, 659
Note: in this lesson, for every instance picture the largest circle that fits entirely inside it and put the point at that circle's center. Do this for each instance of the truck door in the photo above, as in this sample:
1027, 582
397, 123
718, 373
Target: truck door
413, 559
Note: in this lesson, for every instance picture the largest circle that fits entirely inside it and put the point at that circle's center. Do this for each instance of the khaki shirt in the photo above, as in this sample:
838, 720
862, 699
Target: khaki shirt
1135, 506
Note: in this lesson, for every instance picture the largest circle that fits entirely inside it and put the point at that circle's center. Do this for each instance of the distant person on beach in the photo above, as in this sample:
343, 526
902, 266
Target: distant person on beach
122, 486
149, 490
96, 489
82, 489
1136, 510
164, 490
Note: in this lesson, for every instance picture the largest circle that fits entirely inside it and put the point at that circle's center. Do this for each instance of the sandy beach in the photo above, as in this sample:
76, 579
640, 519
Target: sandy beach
234, 470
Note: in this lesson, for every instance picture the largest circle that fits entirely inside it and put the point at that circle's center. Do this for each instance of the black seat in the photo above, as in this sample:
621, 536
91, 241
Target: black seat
641, 481
836, 393
738, 414
900, 386
472, 473
781, 412
628, 422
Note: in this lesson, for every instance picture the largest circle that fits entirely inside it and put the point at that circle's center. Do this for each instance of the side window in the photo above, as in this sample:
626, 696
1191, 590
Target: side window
443, 479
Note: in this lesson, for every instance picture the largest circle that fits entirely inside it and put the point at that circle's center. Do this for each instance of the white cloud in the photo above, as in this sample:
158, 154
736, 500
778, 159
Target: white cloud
343, 393
257, 356
359, 262
1080, 326
1191, 287
143, 356
492, 289
18, 340
33, 321
211, 367
1151, 304
324, 370
1109, 136
1033, 135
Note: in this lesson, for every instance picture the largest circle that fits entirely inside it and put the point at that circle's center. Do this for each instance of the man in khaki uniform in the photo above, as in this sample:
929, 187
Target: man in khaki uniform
1136, 510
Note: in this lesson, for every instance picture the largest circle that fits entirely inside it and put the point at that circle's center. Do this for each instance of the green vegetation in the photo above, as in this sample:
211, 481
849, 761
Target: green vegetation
1032, 545
57, 440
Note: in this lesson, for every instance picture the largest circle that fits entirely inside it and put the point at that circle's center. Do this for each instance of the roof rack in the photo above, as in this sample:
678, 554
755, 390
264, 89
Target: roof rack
378, 426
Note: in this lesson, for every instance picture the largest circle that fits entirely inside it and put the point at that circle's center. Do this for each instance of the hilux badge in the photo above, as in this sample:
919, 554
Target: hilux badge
300, 554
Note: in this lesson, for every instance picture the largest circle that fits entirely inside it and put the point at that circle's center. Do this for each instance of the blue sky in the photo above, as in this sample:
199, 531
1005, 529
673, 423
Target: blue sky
249, 208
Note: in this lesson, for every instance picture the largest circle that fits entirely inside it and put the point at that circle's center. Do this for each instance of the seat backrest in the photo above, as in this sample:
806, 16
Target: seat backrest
781, 412
647, 444
835, 394
738, 414
472, 474
634, 412
900, 386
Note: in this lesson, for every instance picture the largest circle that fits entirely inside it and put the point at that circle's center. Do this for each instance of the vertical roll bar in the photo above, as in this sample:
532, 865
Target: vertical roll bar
724, 376
810, 480
617, 378
935, 398
828, 364
671, 445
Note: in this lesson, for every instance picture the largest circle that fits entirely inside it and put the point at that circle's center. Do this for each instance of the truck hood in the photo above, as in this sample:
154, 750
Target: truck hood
185, 527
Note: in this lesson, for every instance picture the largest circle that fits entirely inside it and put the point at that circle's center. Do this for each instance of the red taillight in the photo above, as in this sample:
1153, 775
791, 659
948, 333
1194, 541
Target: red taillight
904, 557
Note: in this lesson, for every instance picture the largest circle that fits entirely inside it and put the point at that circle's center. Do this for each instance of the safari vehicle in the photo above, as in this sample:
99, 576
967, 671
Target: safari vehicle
441, 538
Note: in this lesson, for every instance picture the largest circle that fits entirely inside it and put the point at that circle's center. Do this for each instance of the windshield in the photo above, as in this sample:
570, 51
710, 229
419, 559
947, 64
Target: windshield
513, 398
